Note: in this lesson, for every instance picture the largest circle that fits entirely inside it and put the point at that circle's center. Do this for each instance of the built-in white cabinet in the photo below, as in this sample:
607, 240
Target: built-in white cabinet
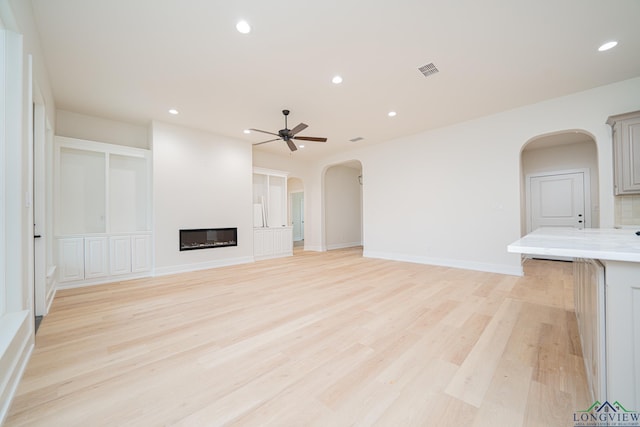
272, 236
102, 203
589, 298
98, 259
626, 152
272, 242
269, 198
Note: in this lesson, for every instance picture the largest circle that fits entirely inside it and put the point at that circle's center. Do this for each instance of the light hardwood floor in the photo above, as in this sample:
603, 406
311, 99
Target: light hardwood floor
318, 339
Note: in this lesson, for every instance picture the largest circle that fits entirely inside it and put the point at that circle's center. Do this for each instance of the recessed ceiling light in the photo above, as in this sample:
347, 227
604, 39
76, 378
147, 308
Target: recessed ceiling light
336, 80
392, 113
247, 131
243, 27
301, 146
607, 46
173, 111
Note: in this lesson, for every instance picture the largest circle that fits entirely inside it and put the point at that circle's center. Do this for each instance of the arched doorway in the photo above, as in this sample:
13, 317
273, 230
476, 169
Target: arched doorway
343, 205
559, 181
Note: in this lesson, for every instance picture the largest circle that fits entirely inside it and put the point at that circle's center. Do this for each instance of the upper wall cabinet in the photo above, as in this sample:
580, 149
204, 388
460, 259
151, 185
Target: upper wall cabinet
626, 152
269, 198
101, 188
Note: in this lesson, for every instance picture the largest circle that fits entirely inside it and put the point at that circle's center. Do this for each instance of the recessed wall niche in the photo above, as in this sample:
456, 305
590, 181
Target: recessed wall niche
81, 195
102, 221
101, 188
128, 193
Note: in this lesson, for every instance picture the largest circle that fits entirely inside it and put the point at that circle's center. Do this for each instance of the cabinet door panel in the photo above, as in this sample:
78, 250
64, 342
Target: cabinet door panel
71, 259
277, 241
120, 251
258, 243
287, 240
140, 253
589, 291
626, 150
633, 130
96, 257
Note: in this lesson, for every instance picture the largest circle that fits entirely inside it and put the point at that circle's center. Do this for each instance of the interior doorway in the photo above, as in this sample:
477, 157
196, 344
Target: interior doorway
297, 216
343, 201
559, 182
295, 189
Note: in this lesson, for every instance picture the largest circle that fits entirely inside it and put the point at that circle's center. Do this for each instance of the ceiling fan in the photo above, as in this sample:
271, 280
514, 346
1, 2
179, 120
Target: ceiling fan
287, 135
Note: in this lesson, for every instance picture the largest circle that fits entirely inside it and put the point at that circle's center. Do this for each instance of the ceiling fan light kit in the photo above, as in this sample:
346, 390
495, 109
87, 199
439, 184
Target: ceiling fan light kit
288, 135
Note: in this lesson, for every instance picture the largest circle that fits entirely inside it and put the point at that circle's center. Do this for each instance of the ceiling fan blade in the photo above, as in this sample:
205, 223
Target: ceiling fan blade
310, 138
263, 131
297, 129
264, 142
291, 145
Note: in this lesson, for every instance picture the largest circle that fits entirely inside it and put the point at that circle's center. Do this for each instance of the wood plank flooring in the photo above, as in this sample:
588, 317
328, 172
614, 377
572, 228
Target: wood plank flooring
318, 339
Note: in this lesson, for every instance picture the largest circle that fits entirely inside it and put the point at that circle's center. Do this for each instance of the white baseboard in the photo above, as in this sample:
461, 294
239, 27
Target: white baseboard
16, 346
343, 245
443, 262
313, 248
185, 268
51, 295
102, 280
280, 255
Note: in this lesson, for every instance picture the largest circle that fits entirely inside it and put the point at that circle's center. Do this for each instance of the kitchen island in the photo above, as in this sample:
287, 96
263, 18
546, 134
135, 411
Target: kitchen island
607, 302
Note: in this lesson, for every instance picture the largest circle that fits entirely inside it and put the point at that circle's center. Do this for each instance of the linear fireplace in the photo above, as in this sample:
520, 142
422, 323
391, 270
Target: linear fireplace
203, 238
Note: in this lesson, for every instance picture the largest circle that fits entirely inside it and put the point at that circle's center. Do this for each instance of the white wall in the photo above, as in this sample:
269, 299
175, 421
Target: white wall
200, 180
343, 215
451, 196
566, 157
81, 126
16, 323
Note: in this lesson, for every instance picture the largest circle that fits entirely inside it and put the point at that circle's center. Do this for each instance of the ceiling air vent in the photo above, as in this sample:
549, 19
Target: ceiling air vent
428, 69
356, 139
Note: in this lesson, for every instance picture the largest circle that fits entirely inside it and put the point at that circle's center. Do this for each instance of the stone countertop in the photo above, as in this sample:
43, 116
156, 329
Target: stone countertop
595, 243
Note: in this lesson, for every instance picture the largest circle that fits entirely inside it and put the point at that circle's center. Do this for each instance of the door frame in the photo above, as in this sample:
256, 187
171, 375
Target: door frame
586, 189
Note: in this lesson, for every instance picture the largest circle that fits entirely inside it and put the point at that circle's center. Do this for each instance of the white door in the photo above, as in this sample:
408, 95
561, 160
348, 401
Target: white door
297, 216
40, 233
558, 200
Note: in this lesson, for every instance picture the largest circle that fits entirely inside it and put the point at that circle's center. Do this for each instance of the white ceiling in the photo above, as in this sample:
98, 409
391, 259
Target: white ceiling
132, 60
